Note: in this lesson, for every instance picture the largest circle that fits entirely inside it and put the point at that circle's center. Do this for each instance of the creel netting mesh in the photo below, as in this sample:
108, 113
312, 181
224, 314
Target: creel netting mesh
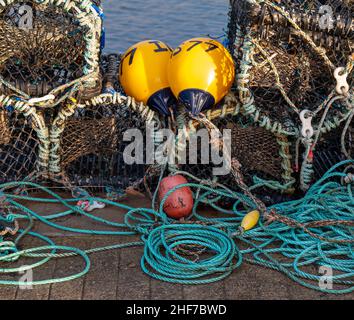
42, 47
18, 146
92, 147
89, 152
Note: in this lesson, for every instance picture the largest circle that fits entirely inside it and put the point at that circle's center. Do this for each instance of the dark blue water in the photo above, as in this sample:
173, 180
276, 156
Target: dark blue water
171, 21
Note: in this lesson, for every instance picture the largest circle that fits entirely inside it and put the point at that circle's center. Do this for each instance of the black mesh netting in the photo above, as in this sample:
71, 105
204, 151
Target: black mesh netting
329, 151
92, 147
18, 147
89, 151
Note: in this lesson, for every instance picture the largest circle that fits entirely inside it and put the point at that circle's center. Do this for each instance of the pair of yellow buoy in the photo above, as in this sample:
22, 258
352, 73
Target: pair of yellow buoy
198, 73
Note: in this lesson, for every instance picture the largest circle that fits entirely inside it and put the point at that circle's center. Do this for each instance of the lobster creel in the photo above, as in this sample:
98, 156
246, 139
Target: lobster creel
286, 66
294, 74
48, 47
263, 155
90, 140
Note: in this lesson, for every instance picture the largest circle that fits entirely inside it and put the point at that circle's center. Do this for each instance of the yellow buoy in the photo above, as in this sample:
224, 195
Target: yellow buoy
201, 72
250, 220
143, 74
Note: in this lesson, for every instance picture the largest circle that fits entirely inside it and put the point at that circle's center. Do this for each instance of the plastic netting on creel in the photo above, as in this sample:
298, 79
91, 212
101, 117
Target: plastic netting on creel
290, 67
330, 151
18, 146
49, 51
92, 147
88, 141
294, 62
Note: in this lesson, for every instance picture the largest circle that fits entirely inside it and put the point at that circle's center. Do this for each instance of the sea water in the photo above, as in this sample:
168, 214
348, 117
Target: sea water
171, 21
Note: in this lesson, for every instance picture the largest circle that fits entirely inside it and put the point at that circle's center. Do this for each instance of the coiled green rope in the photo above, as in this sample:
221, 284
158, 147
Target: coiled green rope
161, 254
204, 249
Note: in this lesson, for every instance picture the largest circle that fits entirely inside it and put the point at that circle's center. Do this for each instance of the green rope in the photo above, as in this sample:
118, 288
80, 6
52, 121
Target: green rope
168, 265
204, 249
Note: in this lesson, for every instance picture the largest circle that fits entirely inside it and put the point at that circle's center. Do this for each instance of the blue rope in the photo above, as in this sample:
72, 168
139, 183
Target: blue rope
166, 264
204, 249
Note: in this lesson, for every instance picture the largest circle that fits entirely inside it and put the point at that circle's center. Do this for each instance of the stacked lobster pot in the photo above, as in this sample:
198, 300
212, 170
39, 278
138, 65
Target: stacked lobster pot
96, 135
263, 155
62, 115
294, 81
49, 53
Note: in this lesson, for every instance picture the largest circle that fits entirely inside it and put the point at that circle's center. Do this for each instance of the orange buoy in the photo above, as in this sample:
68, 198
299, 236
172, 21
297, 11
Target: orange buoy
180, 203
